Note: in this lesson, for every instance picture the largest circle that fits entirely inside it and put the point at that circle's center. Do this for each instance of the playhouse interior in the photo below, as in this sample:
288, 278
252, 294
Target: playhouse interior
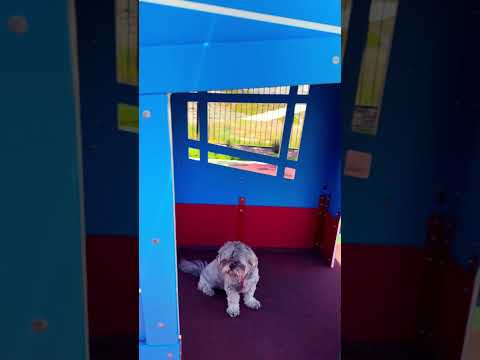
400, 134
231, 183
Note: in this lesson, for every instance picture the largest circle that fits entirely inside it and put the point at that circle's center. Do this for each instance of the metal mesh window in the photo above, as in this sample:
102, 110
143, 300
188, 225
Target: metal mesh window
279, 90
296, 132
192, 118
374, 65
303, 89
254, 127
126, 41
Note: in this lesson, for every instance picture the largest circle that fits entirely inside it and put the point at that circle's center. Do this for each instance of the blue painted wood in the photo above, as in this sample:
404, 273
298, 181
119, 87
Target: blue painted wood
318, 164
141, 322
414, 152
193, 26
158, 269
239, 65
41, 261
110, 156
150, 352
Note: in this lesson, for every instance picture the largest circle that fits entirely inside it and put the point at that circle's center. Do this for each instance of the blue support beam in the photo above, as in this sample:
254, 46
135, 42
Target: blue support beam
158, 274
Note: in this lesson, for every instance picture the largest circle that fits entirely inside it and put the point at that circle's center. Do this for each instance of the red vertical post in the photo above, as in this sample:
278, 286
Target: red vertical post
322, 213
439, 236
241, 219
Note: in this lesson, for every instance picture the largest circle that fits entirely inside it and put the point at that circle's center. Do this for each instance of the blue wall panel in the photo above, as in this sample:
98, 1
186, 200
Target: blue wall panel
203, 183
110, 156
181, 68
41, 261
194, 27
201, 51
410, 152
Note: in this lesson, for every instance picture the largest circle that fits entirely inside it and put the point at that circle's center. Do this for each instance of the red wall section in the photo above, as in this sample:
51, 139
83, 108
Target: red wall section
112, 286
380, 288
454, 310
205, 225
212, 225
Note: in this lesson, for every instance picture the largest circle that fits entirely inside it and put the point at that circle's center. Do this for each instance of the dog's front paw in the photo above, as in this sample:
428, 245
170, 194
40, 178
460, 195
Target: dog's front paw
208, 291
253, 303
233, 311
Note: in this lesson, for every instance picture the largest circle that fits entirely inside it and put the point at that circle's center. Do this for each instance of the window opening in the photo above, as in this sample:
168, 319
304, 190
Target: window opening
296, 132
374, 66
252, 127
126, 41
242, 164
127, 117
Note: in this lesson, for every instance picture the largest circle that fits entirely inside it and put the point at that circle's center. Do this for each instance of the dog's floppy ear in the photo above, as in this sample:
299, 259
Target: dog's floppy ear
223, 254
252, 258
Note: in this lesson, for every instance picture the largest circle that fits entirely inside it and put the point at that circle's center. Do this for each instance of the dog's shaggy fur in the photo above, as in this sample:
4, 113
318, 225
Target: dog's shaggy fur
235, 270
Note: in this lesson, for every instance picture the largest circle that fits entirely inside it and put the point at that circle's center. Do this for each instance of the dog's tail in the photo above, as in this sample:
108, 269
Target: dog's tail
194, 267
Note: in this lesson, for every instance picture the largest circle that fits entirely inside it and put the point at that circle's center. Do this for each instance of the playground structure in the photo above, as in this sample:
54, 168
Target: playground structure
390, 219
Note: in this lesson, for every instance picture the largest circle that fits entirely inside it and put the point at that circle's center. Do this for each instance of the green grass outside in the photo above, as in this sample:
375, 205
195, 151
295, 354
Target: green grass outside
127, 117
127, 72
195, 154
249, 132
373, 70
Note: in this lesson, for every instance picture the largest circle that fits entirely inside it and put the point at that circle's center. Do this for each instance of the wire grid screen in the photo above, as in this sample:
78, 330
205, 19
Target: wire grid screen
303, 89
376, 53
254, 127
278, 90
192, 116
126, 41
296, 132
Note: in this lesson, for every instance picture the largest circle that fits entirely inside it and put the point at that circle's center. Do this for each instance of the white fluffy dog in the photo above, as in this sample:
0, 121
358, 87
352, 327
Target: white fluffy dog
235, 270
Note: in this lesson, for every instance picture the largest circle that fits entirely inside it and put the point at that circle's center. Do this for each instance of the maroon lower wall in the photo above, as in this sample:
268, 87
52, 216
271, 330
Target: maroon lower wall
454, 306
380, 288
112, 286
264, 226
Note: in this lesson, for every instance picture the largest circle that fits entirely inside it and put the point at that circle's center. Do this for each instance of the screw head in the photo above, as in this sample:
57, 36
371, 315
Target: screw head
39, 325
170, 355
17, 24
161, 325
155, 241
336, 60
146, 114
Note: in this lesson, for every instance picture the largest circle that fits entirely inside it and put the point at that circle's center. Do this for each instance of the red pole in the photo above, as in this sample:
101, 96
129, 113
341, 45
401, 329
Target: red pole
241, 219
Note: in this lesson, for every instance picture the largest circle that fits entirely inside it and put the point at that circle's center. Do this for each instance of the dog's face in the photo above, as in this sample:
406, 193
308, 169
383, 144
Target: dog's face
236, 260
